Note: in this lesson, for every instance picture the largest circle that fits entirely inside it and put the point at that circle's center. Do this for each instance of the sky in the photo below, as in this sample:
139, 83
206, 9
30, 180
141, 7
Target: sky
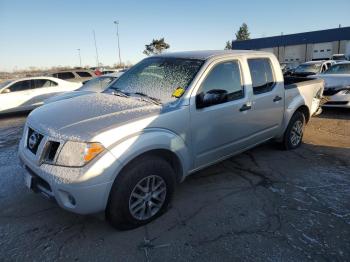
45, 33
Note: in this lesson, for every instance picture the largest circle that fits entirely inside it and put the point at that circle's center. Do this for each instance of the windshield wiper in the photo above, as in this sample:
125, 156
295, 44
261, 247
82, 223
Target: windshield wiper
148, 98
117, 92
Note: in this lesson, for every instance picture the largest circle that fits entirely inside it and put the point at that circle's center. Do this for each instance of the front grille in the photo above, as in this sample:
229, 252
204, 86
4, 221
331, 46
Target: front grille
33, 140
51, 150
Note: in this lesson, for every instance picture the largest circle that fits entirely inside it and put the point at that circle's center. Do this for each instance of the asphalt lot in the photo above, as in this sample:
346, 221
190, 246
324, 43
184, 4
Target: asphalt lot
263, 205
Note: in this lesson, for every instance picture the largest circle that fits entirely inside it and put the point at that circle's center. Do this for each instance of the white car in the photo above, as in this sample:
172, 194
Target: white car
95, 85
27, 93
312, 68
337, 85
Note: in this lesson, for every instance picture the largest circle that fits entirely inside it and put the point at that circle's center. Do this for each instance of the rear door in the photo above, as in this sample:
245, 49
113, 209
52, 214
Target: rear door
267, 99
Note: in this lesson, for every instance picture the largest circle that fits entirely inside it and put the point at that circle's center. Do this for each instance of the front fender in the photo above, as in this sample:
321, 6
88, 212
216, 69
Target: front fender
151, 139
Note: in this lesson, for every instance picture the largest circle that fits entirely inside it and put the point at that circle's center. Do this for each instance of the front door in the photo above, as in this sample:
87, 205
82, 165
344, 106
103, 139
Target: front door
221, 127
17, 97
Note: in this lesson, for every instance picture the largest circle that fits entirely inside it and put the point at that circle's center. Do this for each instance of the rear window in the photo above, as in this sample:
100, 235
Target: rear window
44, 83
84, 74
65, 75
262, 76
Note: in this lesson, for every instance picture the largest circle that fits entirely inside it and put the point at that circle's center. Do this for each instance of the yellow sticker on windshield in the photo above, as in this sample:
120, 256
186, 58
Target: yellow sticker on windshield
178, 92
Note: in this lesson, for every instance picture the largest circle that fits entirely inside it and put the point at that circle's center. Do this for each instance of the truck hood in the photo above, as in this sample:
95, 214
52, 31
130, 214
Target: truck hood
81, 118
66, 95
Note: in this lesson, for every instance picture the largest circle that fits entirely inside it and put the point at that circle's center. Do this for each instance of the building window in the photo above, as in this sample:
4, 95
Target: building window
315, 51
286, 60
322, 50
328, 50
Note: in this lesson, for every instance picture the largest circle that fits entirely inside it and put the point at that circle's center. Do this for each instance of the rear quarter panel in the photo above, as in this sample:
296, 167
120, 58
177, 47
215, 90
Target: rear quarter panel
300, 94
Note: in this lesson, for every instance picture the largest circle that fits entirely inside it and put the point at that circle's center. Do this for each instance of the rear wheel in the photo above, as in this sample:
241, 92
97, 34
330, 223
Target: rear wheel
141, 193
293, 135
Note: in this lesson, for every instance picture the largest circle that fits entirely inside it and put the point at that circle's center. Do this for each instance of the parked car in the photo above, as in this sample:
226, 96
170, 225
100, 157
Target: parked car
337, 85
95, 85
27, 93
122, 151
79, 75
339, 57
311, 68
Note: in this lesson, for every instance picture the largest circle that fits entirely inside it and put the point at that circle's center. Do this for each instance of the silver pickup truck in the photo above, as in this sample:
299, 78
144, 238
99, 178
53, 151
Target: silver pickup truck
123, 151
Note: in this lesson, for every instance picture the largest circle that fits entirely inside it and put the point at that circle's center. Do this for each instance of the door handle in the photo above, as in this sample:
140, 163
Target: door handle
277, 98
245, 107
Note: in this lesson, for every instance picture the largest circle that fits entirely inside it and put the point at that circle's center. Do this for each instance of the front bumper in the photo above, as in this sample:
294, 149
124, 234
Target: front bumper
80, 190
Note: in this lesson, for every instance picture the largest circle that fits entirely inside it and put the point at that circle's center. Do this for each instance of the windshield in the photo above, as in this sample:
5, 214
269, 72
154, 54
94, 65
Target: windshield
3, 84
308, 68
338, 69
158, 77
97, 84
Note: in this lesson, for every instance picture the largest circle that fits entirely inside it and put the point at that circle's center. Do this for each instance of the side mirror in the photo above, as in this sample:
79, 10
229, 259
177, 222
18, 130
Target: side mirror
212, 97
6, 91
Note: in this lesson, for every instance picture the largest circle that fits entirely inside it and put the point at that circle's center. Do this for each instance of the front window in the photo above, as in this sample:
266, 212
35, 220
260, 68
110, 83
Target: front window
158, 77
338, 69
308, 68
98, 84
21, 86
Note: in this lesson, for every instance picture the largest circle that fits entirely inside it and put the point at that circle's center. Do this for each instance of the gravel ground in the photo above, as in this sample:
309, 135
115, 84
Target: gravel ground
262, 205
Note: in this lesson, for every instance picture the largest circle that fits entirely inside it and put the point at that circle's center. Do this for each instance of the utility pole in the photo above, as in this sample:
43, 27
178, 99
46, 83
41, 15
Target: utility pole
117, 35
79, 56
97, 61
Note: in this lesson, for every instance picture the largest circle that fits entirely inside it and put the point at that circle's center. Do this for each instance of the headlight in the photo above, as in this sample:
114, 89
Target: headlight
75, 154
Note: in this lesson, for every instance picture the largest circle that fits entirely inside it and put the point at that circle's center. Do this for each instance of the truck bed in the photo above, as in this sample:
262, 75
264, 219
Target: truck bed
304, 88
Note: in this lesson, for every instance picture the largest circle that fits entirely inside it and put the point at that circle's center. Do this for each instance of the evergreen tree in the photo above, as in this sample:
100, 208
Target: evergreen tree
243, 32
157, 46
228, 45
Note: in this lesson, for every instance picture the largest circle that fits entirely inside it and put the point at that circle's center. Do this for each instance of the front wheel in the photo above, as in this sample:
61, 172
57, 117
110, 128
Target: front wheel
293, 135
141, 193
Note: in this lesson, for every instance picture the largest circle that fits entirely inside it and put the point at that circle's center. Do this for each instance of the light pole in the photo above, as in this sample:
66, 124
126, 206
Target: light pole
79, 56
117, 34
97, 60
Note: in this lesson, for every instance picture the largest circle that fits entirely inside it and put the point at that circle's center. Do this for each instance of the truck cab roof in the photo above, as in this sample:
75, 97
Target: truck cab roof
209, 54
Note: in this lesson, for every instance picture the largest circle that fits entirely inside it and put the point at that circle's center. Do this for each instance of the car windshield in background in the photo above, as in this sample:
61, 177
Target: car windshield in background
158, 77
3, 84
339, 69
308, 68
98, 84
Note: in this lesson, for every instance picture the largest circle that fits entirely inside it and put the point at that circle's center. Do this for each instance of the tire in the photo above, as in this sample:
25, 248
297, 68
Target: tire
129, 206
293, 135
